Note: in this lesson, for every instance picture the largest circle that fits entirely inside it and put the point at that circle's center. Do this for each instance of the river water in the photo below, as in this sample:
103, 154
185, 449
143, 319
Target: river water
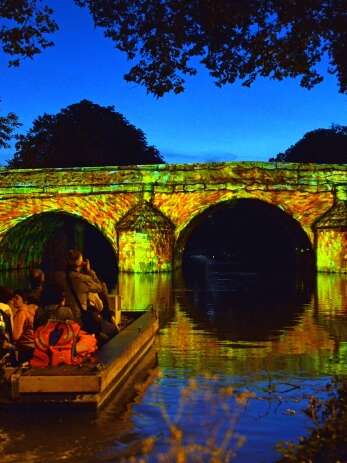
237, 360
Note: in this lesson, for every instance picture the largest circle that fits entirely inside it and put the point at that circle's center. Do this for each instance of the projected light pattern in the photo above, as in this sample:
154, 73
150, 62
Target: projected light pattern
147, 251
332, 250
331, 236
24, 227
145, 240
24, 244
177, 193
183, 208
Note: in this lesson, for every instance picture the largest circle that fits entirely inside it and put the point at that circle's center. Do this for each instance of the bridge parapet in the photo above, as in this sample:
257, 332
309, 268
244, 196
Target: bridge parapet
172, 178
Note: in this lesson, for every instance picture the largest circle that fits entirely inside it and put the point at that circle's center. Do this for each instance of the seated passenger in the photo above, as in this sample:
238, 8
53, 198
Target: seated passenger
59, 340
81, 284
7, 350
77, 282
6, 294
52, 306
23, 332
36, 280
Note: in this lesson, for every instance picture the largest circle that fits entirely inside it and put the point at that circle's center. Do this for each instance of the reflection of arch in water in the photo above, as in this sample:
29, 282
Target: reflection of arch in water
253, 311
43, 240
249, 234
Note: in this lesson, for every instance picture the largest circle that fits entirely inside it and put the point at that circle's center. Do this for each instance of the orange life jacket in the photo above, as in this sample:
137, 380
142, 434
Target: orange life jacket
55, 344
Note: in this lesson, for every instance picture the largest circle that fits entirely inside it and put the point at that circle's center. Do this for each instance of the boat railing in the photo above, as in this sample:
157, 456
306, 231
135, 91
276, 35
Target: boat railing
114, 301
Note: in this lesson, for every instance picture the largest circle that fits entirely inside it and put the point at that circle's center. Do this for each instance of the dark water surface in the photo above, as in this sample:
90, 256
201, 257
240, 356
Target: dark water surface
282, 340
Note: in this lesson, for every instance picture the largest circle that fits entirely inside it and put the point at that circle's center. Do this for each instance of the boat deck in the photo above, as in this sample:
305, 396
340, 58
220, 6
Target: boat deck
91, 383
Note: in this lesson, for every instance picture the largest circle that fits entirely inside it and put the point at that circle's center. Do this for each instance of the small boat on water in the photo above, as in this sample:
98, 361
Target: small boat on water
90, 384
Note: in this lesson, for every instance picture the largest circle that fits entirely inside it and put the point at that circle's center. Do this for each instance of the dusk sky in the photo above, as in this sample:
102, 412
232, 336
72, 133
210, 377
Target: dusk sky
205, 123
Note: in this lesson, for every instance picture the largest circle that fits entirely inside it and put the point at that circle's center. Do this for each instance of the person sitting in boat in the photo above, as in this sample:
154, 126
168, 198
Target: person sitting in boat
58, 339
7, 349
23, 332
6, 294
77, 282
86, 294
36, 281
52, 306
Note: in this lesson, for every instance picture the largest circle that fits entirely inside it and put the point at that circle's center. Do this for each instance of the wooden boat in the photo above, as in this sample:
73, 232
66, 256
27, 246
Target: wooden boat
90, 384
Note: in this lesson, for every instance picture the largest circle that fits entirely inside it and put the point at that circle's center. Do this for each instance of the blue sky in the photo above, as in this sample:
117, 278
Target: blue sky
205, 123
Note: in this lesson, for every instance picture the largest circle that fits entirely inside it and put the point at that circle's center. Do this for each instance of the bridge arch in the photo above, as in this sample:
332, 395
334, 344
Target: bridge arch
43, 239
246, 228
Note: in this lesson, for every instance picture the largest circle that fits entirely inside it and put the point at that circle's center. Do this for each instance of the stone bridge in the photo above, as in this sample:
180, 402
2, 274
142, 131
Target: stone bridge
147, 213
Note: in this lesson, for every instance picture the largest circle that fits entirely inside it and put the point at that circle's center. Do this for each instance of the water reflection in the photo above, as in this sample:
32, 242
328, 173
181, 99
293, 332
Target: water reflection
140, 291
62, 433
266, 327
331, 314
243, 306
247, 334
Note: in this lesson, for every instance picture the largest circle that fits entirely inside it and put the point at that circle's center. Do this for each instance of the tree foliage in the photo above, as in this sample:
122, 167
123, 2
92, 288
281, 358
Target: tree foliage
8, 124
166, 39
327, 441
24, 26
239, 39
327, 146
83, 134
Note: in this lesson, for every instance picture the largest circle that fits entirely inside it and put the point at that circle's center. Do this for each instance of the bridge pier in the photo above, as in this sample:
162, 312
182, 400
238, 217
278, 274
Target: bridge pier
331, 235
145, 239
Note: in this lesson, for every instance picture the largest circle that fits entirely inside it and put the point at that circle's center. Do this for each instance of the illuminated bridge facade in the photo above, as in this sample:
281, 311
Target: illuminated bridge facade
147, 213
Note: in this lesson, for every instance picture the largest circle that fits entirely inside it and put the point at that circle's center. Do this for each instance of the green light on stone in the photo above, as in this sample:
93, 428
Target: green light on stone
159, 203
145, 240
341, 192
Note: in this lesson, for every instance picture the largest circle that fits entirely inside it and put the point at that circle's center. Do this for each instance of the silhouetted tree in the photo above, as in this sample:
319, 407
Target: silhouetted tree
8, 124
83, 134
233, 39
23, 28
328, 146
238, 39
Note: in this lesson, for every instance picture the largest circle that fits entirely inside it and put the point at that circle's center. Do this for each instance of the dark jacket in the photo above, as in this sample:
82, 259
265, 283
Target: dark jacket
82, 283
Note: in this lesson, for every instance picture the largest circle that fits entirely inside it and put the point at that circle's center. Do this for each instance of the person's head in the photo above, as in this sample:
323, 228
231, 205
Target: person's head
52, 295
36, 277
20, 298
74, 259
63, 314
6, 294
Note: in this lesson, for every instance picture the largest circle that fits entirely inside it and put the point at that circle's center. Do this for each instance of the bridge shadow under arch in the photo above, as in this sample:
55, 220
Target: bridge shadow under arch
42, 240
249, 268
246, 235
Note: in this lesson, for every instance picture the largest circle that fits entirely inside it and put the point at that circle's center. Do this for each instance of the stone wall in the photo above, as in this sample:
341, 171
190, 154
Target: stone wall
103, 196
